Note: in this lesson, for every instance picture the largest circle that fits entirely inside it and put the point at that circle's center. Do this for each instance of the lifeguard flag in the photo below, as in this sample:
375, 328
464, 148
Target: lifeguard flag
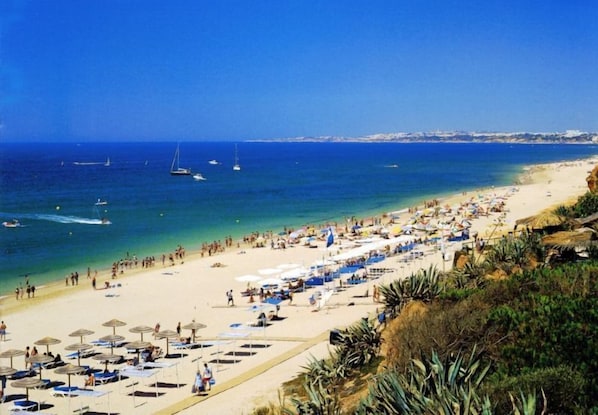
329, 238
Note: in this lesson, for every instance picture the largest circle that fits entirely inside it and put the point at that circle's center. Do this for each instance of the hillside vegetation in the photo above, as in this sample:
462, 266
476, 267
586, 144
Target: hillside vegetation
514, 333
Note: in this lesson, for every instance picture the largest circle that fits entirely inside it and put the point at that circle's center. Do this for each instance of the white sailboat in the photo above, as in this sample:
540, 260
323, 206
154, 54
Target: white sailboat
175, 169
107, 164
236, 166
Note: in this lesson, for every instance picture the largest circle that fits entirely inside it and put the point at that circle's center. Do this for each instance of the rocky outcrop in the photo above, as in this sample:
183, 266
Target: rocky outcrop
592, 180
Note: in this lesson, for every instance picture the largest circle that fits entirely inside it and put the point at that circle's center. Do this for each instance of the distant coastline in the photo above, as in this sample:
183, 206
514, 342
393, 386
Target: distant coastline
567, 137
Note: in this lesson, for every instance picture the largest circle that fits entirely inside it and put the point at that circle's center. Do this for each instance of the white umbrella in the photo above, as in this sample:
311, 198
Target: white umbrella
269, 271
288, 266
248, 278
294, 273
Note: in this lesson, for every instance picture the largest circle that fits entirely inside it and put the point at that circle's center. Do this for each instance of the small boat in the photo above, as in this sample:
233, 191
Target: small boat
11, 224
103, 220
107, 164
198, 176
175, 169
392, 166
101, 202
236, 166
214, 162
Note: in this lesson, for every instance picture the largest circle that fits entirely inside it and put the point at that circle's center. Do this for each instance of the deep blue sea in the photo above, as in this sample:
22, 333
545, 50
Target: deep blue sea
280, 184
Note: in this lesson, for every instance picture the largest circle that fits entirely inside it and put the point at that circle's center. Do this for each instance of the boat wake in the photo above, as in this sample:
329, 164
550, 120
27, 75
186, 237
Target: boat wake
58, 218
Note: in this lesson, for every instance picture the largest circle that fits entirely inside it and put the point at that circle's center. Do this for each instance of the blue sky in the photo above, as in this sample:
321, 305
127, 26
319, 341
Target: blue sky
98, 70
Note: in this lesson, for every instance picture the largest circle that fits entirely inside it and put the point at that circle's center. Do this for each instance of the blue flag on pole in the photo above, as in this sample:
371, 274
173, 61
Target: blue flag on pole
329, 237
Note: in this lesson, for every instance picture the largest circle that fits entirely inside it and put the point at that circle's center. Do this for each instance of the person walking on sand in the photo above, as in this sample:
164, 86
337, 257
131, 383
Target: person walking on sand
2, 331
207, 377
198, 385
230, 299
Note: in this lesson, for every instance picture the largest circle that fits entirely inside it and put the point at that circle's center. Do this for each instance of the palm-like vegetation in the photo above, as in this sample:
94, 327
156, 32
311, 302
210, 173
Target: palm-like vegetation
436, 387
423, 286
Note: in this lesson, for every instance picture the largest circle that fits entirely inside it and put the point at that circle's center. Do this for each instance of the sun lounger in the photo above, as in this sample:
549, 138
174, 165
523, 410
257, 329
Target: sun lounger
63, 391
100, 343
105, 377
184, 345
20, 374
82, 353
53, 364
24, 405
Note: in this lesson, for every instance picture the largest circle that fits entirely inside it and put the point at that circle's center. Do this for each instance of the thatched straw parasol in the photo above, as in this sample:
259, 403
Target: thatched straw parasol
579, 238
138, 345
41, 359
107, 358
80, 333
167, 334
542, 220
141, 329
11, 353
7, 371
194, 326
112, 339
47, 341
69, 370
114, 323
78, 347
27, 383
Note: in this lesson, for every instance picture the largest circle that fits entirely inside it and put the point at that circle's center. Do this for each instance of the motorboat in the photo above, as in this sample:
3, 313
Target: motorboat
198, 176
101, 202
236, 166
214, 162
11, 224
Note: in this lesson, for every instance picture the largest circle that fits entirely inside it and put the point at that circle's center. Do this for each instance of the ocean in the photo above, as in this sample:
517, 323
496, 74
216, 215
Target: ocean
52, 189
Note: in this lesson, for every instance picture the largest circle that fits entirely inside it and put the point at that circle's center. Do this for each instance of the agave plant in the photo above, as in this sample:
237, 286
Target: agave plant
430, 387
423, 285
359, 344
321, 401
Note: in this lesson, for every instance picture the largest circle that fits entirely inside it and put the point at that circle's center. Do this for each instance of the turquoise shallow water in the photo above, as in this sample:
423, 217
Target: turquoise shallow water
280, 184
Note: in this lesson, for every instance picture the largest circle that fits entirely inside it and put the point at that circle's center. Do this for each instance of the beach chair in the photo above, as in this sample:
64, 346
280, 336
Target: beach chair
82, 353
20, 374
105, 377
24, 405
64, 391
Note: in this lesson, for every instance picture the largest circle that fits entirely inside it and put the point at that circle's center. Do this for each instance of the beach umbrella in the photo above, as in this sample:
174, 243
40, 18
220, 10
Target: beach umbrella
542, 220
27, 383
10, 353
69, 370
194, 326
138, 345
112, 339
114, 323
248, 278
141, 329
7, 371
80, 333
167, 334
579, 238
40, 359
78, 347
107, 358
269, 271
288, 265
47, 341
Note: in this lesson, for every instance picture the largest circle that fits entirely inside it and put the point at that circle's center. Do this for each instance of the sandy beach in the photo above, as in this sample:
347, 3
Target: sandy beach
257, 360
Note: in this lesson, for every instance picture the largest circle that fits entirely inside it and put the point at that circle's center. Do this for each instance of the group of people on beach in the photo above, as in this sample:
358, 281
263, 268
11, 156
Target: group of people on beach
203, 380
20, 291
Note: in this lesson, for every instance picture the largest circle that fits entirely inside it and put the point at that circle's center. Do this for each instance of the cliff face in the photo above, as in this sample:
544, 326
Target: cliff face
592, 180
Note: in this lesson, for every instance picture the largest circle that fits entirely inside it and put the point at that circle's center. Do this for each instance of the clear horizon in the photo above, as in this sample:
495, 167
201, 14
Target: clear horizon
136, 70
